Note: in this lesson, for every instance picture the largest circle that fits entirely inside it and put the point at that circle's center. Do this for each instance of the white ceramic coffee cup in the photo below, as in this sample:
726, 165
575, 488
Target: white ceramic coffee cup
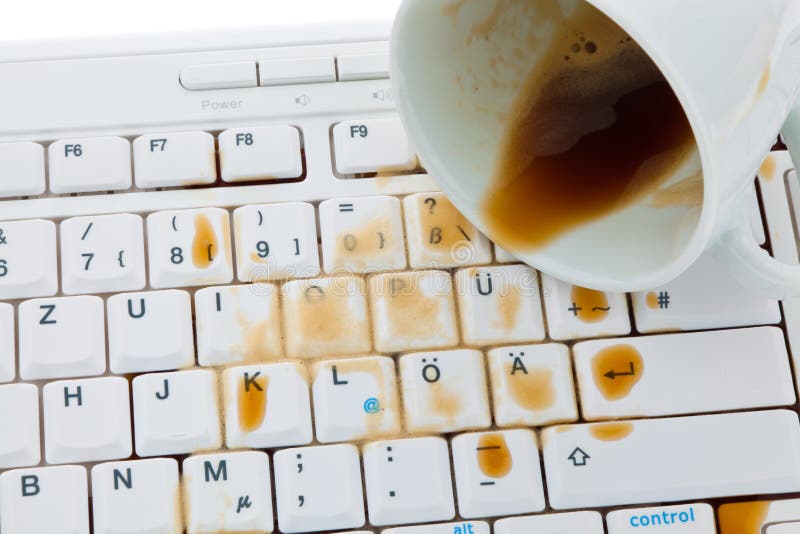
734, 65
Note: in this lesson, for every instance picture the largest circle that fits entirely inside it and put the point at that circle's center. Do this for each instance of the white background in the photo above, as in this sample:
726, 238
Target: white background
46, 19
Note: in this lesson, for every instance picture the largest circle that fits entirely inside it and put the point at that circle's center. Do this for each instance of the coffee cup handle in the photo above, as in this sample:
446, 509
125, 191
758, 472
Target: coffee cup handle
750, 263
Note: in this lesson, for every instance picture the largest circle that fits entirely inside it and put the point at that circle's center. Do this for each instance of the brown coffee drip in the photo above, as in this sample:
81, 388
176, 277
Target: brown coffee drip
595, 128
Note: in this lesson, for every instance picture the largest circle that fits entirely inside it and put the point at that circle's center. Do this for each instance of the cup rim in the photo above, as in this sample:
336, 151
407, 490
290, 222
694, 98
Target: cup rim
414, 125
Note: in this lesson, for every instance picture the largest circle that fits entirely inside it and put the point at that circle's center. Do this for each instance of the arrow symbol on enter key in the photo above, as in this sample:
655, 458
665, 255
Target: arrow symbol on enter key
614, 374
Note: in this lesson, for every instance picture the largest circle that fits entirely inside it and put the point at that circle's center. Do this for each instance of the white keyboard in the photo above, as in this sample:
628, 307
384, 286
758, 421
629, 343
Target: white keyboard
250, 310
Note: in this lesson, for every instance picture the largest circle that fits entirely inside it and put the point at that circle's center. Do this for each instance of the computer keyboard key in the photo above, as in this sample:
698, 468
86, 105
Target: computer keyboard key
784, 528
695, 518
408, 481
325, 317
137, 497
61, 337
362, 234
89, 164
174, 159
463, 527
228, 492
363, 66
28, 265
189, 248
296, 70
86, 420
102, 254
575, 312
753, 516
260, 153
439, 236
355, 399
44, 500
238, 324
372, 145
8, 346
705, 296
176, 413
674, 374
21, 169
532, 385
497, 473
318, 488
673, 459
276, 241
150, 331
267, 406
413, 310
444, 391
19, 412
570, 522
499, 305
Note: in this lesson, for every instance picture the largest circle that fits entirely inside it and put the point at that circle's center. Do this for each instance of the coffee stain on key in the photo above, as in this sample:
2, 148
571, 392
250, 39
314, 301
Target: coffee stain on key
531, 388
616, 370
591, 306
494, 458
358, 247
204, 245
252, 400
768, 168
743, 517
611, 431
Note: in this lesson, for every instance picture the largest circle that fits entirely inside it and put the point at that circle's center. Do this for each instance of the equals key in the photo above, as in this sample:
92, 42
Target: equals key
497, 473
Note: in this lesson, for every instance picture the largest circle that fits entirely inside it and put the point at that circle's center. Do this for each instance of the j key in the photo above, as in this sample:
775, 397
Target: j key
44, 500
580, 460
140, 496
61, 337
408, 481
189, 248
87, 420
150, 331
102, 254
318, 488
28, 266
497, 473
176, 413
228, 492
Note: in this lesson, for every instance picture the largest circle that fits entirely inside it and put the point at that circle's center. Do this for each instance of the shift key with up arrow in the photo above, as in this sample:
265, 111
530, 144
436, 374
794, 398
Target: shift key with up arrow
672, 459
684, 373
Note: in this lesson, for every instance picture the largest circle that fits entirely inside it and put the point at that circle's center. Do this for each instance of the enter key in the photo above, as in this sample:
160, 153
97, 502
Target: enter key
686, 373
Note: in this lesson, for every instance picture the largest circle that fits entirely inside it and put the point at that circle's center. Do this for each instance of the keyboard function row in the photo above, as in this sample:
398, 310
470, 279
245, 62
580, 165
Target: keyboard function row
176, 159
